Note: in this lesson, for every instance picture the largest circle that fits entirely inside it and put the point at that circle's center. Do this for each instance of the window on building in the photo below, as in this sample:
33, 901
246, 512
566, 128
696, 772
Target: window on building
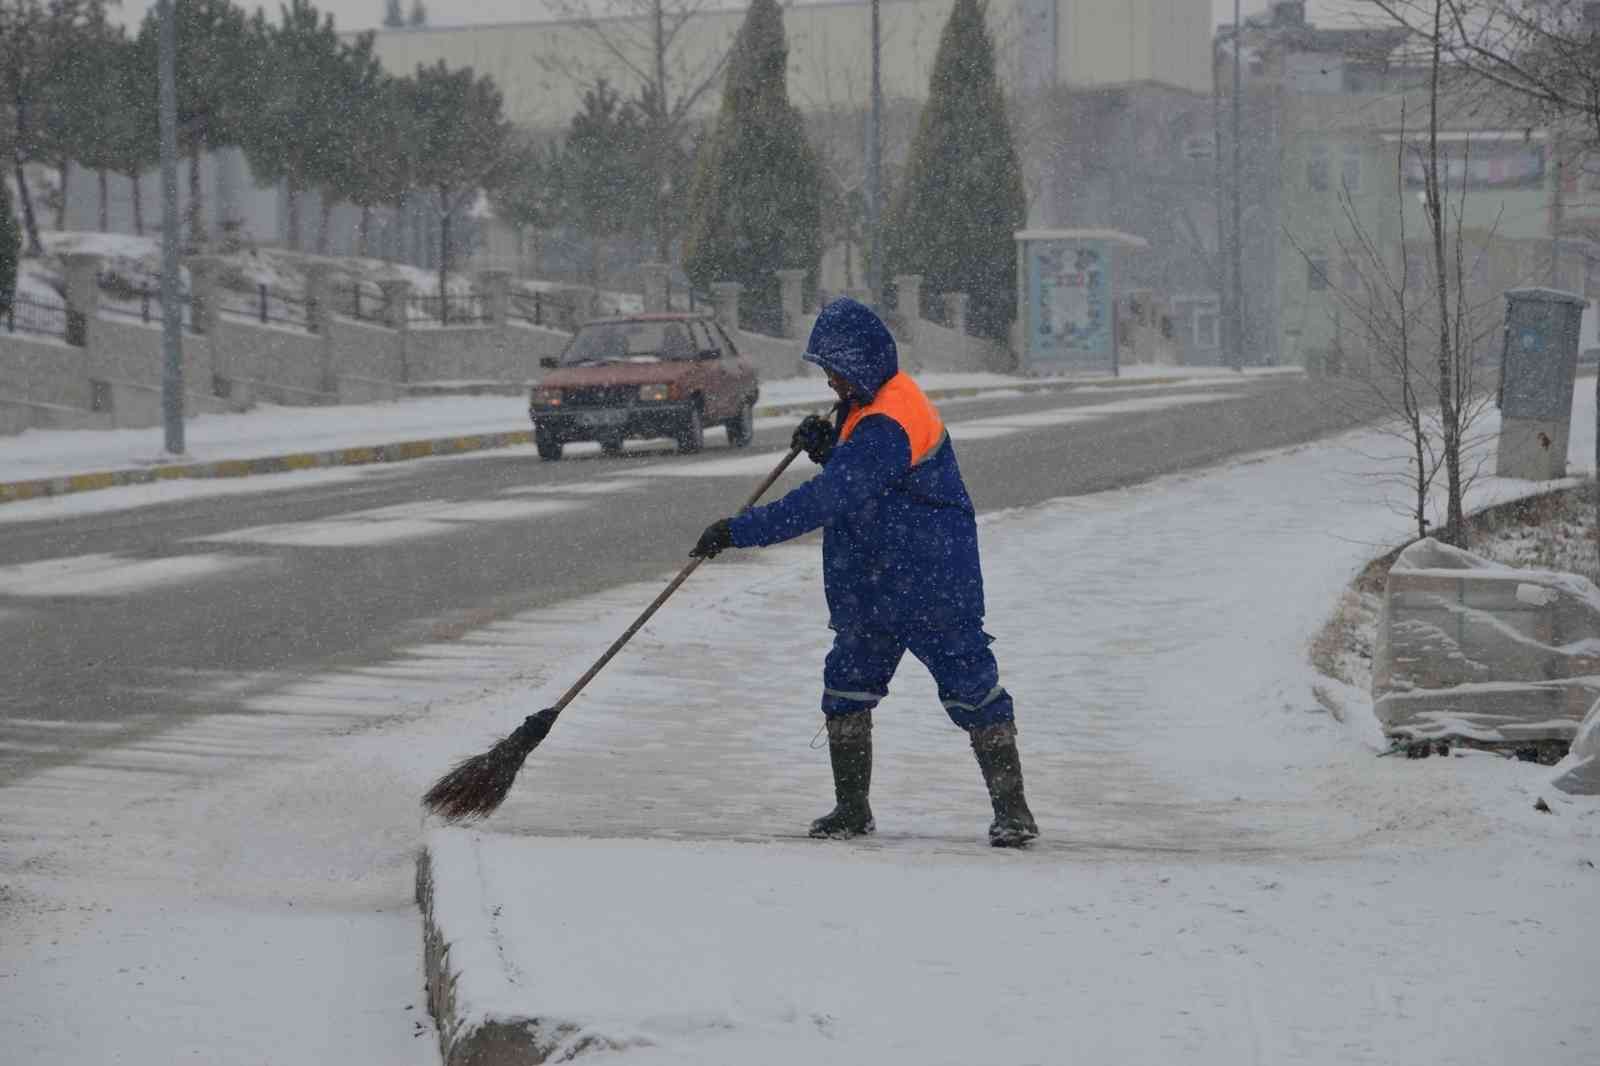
1350, 276
1317, 167
1350, 168
1207, 326
1316, 272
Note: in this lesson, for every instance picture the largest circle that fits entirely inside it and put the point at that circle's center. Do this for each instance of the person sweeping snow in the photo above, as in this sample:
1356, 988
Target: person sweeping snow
900, 568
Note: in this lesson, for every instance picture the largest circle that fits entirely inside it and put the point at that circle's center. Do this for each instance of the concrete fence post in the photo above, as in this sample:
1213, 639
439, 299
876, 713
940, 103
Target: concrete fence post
318, 296
725, 298
204, 273
955, 310
396, 300
656, 277
494, 288
909, 303
792, 287
83, 297
396, 306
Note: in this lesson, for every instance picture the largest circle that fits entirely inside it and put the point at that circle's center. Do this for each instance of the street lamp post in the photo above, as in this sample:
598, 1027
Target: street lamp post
1236, 265
171, 309
875, 173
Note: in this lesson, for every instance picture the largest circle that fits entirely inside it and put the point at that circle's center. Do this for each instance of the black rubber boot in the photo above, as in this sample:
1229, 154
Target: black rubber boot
996, 749
850, 751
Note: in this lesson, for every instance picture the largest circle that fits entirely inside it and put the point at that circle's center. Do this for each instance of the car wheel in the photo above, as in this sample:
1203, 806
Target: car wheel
742, 427
692, 434
549, 447
611, 445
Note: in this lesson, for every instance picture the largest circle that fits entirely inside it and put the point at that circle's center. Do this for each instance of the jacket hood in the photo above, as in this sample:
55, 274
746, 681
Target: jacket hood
851, 341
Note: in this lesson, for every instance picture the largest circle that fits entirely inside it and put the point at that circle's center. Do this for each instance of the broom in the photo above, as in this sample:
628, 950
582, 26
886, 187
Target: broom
479, 784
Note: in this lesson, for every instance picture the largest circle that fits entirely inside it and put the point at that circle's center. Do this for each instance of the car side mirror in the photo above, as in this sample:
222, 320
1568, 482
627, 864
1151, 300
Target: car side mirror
549, 362
708, 354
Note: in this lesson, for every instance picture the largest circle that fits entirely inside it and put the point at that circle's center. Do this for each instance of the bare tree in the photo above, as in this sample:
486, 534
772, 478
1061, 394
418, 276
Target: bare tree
644, 41
1413, 349
1545, 54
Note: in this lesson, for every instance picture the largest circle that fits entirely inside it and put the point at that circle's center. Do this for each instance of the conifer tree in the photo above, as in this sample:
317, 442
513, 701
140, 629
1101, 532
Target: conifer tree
755, 203
961, 201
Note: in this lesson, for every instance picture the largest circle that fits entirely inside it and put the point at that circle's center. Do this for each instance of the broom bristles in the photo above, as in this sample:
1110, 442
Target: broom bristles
478, 785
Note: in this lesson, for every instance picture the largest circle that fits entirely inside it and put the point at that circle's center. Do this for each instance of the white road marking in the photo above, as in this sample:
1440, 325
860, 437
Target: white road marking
384, 525
111, 575
334, 534
614, 483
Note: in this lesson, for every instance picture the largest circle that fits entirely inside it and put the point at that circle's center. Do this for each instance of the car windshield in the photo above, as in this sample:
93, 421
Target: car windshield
613, 342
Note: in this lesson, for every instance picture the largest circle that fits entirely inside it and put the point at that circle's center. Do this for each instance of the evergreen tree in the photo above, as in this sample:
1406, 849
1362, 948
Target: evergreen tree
303, 114
755, 204
373, 166
961, 200
37, 41
461, 143
10, 249
392, 19
134, 124
419, 14
602, 172
219, 73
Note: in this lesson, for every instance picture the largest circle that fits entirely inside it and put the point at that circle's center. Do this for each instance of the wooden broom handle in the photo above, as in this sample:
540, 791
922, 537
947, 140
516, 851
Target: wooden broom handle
683, 575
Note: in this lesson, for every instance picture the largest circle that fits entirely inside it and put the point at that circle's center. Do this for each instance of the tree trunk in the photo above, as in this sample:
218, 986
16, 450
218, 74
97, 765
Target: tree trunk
444, 255
138, 205
105, 200
197, 215
364, 233
1449, 411
325, 223
30, 222
293, 239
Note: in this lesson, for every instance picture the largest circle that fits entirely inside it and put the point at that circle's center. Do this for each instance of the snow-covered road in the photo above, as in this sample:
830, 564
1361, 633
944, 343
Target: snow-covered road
1229, 874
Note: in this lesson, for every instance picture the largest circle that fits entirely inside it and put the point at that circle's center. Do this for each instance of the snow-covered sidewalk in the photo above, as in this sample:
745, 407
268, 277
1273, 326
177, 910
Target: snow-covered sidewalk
1227, 874
272, 431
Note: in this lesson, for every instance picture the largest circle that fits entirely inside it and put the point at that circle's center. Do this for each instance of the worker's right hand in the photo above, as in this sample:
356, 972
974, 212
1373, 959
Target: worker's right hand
814, 436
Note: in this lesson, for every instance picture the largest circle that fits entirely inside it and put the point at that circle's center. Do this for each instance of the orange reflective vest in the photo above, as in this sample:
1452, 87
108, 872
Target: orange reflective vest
903, 401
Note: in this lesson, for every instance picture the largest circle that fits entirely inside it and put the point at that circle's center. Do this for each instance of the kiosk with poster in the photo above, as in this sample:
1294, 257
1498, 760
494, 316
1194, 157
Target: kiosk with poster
1067, 298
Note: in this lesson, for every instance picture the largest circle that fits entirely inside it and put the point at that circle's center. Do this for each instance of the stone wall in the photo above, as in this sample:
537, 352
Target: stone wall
371, 353
121, 349
44, 371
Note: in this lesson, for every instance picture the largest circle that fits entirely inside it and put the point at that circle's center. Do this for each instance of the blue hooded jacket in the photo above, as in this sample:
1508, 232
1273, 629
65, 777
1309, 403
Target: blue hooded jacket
900, 547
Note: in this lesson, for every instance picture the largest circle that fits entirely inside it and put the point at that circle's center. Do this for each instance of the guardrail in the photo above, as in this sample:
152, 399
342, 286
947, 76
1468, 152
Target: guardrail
43, 318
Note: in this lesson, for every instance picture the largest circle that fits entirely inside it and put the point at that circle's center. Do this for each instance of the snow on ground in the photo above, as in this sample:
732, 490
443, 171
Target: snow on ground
1227, 874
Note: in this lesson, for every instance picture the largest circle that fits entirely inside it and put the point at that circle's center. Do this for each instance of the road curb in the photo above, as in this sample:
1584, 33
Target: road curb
39, 488
493, 1044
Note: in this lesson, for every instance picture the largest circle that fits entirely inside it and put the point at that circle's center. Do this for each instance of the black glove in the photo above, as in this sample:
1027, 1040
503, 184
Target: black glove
718, 535
814, 436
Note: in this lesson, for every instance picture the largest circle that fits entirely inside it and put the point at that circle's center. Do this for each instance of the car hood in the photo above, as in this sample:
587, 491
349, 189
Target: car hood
575, 377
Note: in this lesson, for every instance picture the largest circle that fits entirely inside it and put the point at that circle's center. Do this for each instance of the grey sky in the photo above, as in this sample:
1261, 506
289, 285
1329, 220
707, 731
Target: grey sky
365, 14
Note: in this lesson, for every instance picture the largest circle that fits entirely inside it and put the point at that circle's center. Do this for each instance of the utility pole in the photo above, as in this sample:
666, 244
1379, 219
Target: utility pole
171, 309
875, 174
1236, 250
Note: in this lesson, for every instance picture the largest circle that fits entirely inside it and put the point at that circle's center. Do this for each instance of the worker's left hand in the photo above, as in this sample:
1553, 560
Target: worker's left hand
718, 535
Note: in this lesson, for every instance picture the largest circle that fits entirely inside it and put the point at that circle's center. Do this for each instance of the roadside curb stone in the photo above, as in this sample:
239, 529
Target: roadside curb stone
493, 1044
38, 488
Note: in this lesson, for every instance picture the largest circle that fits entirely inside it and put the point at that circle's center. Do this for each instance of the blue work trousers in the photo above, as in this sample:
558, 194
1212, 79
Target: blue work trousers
858, 669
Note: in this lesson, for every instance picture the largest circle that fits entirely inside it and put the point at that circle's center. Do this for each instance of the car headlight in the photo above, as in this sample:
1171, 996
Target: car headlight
547, 397
655, 393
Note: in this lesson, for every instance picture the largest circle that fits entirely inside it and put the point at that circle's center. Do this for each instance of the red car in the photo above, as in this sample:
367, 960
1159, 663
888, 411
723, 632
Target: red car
652, 375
